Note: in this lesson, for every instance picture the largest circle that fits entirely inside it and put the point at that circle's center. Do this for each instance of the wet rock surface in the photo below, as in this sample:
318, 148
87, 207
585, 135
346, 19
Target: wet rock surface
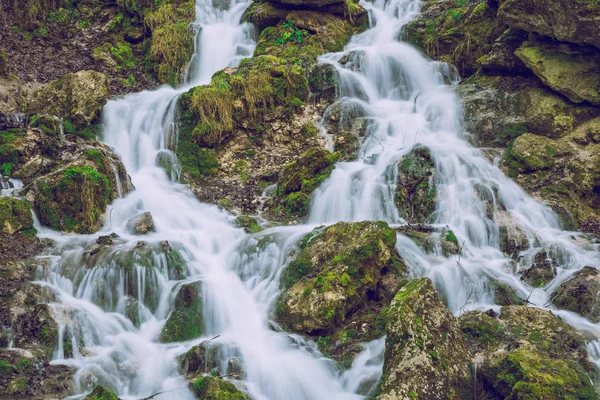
580, 294
141, 224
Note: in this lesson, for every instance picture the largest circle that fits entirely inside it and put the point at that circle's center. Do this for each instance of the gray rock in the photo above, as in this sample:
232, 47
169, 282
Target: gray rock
141, 224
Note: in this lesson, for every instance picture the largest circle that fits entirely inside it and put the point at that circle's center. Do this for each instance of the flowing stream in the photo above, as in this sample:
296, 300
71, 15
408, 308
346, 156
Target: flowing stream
113, 305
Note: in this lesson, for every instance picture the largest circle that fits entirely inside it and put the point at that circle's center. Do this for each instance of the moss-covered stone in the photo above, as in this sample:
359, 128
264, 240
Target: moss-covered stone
101, 393
341, 274
15, 217
211, 388
542, 271
37, 331
78, 97
426, 354
481, 329
572, 21
73, 199
504, 295
186, 320
301, 177
3, 63
415, 195
580, 294
567, 69
249, 224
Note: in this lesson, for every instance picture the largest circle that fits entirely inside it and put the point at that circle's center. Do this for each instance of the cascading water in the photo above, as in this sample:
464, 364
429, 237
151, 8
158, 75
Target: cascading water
112, 305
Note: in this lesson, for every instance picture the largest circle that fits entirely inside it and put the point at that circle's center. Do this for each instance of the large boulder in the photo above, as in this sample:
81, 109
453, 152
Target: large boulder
565, 20
77, 97
542, 271
415, 195
426, 354
542, 356
568, 69
141, 224
186, 321
580, 294
342, 276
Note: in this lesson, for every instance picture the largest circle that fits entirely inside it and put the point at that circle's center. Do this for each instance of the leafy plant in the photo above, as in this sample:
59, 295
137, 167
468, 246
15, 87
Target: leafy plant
290, 33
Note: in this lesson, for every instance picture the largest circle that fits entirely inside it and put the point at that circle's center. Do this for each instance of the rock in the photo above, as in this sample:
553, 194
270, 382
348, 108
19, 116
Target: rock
511, 237
25, 376
501, 57
322, 81
504, 295
235, 368
37, 331
485, 332
186, 320
301, 177
430, 240
580, 294
249, 224
541, 272
101, 393
575, 22
415, 194
567, 69
340, 273
73, 199
543, 357
201, 359
15, 217
307, 3
426, 355
141, 224
77, 97
211, 388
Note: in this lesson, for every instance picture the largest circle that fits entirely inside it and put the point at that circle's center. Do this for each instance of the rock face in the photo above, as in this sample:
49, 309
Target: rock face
211, 388
543, 357
415, 194
141, 224
16, 229
426, 355
338, 275
186, 320
580, 294
567, 69
77, 97
575, 22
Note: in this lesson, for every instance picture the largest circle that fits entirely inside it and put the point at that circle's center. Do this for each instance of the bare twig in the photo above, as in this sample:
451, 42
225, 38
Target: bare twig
164, 391
466, 302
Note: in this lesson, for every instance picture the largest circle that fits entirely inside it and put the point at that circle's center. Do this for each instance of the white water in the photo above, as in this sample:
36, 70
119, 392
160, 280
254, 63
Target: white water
406, 102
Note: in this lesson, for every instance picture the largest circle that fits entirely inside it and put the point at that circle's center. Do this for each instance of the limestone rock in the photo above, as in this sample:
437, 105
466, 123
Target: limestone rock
426, 354
504, 295
567, 69
542, 271
141, 224
580, 294
415, 194
340, 273
186, 320
78, 97
201, 359
565, 20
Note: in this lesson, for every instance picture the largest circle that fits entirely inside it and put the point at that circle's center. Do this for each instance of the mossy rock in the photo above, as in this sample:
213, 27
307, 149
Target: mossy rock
77, 97
73, 199
570, 21
37, 331
211, 388
481, 329
567, 69
542, 271
15, 217
186, 321
580, 294
504, 295
426, 353
526, 373
415, 195
249, 224
341, 274
101, 393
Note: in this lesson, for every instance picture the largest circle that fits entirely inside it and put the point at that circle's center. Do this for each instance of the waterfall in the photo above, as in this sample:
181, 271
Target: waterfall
111, 306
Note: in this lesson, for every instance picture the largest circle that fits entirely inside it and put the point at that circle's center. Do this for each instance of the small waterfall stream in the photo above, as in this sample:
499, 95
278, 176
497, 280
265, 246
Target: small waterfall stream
113, 304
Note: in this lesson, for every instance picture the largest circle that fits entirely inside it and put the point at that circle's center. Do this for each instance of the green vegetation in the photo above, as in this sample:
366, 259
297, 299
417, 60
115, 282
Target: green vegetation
101, 393
212, 388
186, 320
73, 199
15, 217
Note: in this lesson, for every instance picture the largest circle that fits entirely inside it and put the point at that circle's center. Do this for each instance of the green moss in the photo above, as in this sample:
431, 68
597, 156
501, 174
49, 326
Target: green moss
15, 217
523, 374
451, 237
73, 200
5, 368
101, 393
123, 55
482, 329
211, 388
23, 364
186, 320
